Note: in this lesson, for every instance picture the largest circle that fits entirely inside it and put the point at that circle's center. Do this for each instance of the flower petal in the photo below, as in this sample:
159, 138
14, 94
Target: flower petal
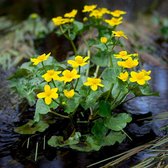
48, 100
41, 95
94, 87
47, 88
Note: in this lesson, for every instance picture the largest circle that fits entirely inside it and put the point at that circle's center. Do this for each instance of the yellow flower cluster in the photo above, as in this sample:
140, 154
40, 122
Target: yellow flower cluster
127, 61
67, 76
98, 13
140, 77
68, 18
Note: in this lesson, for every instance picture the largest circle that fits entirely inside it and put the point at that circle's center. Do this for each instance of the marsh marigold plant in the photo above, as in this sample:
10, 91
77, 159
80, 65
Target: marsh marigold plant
84, 90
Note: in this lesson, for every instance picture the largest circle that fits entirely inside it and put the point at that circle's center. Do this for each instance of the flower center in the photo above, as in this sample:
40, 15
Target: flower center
48, 93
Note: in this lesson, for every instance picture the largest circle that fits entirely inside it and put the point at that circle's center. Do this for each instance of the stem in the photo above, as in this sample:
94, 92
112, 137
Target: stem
109, 92
71, 41
55, 101
87, 72
44, 142
82, 122
36, 152
28, 142
60, 115
96, 71
77, 79
111, 62
43, 66
129, 99
115, 100
53, 83
126, 134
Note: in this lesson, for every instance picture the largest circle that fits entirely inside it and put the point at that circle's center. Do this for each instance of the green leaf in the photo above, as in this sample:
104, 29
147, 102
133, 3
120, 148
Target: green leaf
101, 46
19, 73
41, 108
144, 91
113, 137
72, 104
32, 127
78, 26
101, 59
104, 109
118, 122
56, 141
110, 74
91, 99
98, 129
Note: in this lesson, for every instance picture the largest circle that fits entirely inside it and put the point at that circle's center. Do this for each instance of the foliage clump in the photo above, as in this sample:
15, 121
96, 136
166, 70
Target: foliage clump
88, 86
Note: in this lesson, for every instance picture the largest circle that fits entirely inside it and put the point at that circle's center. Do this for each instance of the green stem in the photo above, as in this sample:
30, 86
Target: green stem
111, 61
126, 134
115, 100
77, 79
71, 41
43, 66
28, 142
109, 92
53, 83
44, 142
82, 122
96, 71
60, 115
129, 99
36, 152
87, 72
55, 101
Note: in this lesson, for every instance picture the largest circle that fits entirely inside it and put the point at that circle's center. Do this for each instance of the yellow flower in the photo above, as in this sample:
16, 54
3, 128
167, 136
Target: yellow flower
140, 77
93, 83
122, 54
71, 14
118, 13
89, 8
119, 34
129, 63
103, 40
79, 61
51, 74
85, 19
34, 16
48, 94
146, 72
69, 93
114, 21
98, 13
40, 58
68, 75
58, 21
123, 76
